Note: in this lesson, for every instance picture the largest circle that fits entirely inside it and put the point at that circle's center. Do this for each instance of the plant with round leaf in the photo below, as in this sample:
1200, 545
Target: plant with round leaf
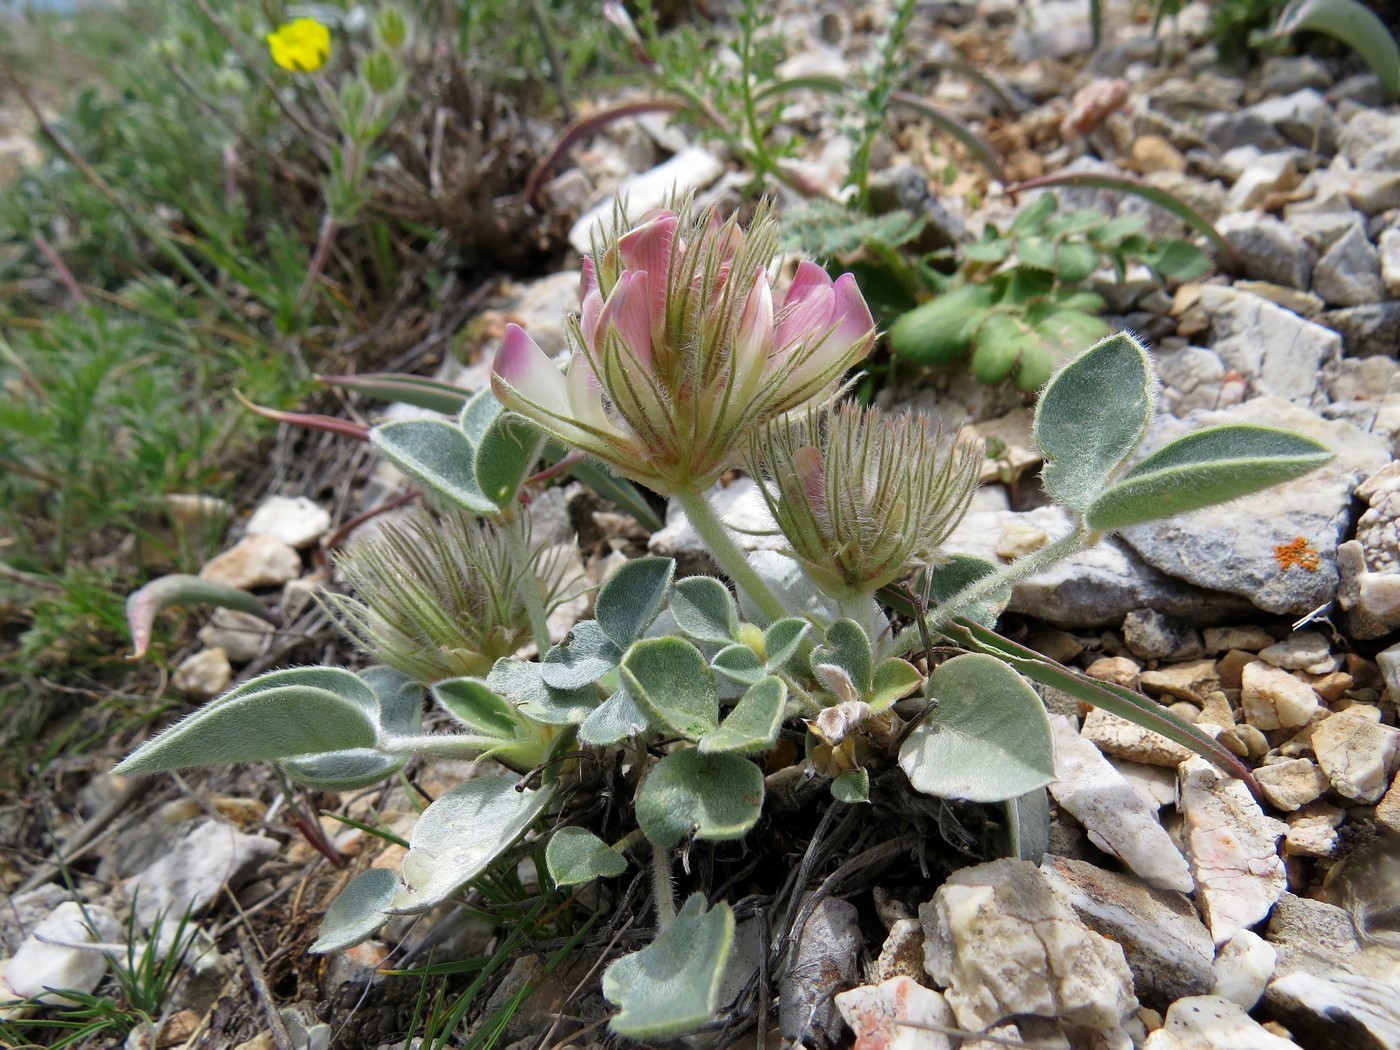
668, 722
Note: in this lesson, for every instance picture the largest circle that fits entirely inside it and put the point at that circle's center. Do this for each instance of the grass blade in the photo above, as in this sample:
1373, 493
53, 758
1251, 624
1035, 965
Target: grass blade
398, 386
969, 139
1353, 24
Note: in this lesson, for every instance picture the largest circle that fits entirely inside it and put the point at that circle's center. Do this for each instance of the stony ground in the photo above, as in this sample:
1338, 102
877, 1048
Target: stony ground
1172, 910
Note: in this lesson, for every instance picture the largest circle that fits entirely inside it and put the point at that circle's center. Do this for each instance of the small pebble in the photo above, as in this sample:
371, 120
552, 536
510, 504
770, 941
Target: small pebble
1274, 699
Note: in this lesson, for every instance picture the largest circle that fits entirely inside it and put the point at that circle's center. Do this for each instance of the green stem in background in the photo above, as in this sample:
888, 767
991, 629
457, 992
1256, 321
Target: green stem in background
661, 887
1070, 543
731, 560
877, 101
528, 588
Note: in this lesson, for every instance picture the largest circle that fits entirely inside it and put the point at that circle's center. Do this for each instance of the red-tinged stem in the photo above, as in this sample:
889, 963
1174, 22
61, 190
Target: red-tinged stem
330, 424
338, 536
586, 126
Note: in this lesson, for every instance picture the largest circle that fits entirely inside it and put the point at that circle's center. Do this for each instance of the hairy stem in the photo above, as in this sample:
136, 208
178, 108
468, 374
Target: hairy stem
731, 560
1070, 543
661, 887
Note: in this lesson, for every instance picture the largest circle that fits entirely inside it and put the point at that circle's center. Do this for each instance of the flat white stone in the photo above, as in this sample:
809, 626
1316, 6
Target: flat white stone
195, 870
253, 562
1208, 1022
1002, 943
1243, 968
203, 675
874, 1013
1231, 846
1357, 754
1113, 812
691, 169
1292, 782
295, 520
1274, 699
48, 957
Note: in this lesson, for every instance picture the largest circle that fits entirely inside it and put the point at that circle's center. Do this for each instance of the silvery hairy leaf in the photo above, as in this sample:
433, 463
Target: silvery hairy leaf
672, 986
522, 683
1204, 468
752, 726
1091, 416
575, 856
399, 712
713, 797
439, 456
671, 681
848, 649
632, 597
704, 609
505, 447
987, 740
461, 834
277, 715
358, 913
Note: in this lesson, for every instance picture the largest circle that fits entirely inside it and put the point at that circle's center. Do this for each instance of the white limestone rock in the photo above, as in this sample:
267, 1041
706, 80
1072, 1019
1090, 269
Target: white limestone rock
1243, 968
740, 505
1301, 651
1002, 943
1123, 739
1112, 811
1165, 943
295, 520
874, 1013
1273, 699
1357, 754
1281, 353
196, 869
1232, 849
52, 956
253, 562
1208, 1022
1232, 547
239, 635
1291, 782
203, 675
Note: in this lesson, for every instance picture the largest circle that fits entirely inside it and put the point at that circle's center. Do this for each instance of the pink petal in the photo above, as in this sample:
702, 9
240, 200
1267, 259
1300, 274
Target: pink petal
628, 310
523, 373
588, 280
754, 340
650, 245
855, 322
807, 310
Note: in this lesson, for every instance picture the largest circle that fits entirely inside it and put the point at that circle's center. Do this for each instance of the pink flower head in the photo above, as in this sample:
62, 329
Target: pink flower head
682, 349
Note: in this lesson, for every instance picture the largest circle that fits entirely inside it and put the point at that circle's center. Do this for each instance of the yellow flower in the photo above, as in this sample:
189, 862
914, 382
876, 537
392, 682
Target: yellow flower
301, 45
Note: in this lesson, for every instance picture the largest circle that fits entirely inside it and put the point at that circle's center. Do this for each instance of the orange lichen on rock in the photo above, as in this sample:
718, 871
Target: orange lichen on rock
1297, 553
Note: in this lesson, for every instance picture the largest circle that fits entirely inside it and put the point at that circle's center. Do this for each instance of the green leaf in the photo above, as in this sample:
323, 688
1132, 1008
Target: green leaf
782, 640
1092, 415
438, 455
400, 699
715, 797
753, 724
575, 856
632, 597
145, 604
852, 786
626, 495
987, 740
939, 332
1135, 707
617, 718
347, 770
1075, 261
1204, 468
1148, 192
893, 679
739, 663
672, 986
998, 346
1356, 26
277, 721
1037, 251
848, 648
671, 681
1025, 833
1032, 218
410, 389
1177, 260
705, 610
505, 455
476, 706
523, 684
582, 658
958, 572
460, 834
358, 913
